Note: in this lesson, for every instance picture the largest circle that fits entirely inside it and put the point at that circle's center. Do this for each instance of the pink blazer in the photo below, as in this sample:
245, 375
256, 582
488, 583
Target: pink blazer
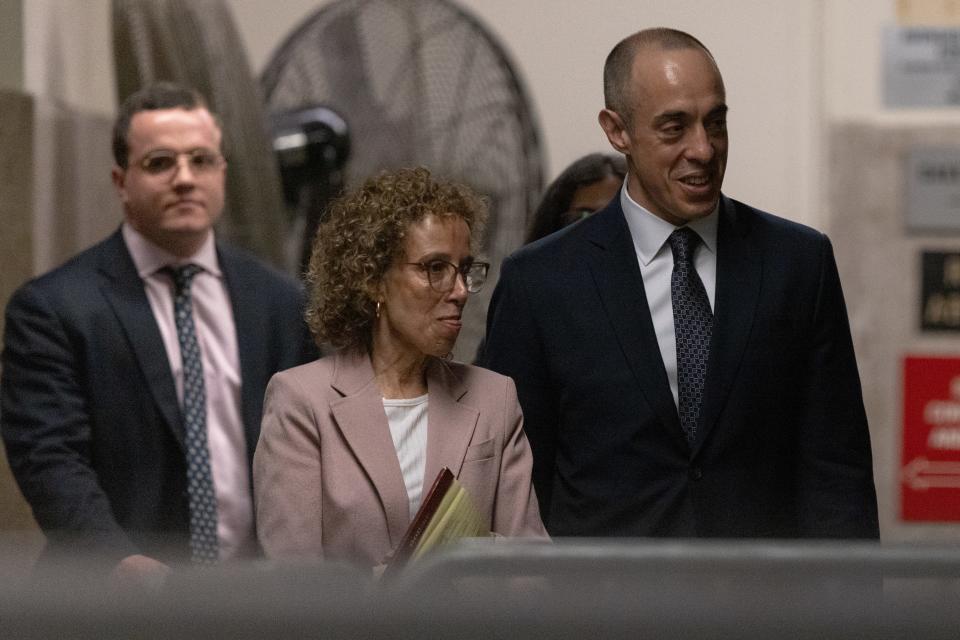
327, 482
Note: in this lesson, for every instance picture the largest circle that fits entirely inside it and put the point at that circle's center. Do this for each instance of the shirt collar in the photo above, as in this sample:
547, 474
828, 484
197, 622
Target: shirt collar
148, 258
650, 232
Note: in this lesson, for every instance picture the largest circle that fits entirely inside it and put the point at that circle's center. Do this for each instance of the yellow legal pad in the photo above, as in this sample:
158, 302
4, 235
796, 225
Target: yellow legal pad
446, 514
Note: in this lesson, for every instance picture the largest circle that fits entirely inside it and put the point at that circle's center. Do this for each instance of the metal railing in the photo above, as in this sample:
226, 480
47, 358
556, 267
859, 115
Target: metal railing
514, 589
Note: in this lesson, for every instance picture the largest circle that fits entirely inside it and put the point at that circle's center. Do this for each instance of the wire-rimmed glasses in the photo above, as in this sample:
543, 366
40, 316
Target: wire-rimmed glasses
161, 161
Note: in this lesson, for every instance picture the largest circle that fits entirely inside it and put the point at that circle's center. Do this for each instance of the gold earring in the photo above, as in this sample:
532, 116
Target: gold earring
378, 308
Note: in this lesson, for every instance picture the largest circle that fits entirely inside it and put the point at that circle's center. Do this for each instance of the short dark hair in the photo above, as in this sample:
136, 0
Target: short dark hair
559, 194
619, 64
159, 95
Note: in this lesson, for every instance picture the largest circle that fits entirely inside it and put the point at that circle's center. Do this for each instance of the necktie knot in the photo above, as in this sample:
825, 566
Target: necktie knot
683, 242
183, 275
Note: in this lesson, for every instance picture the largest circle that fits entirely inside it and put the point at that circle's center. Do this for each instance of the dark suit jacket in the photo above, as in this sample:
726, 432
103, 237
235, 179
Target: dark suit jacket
783, 448
90, 415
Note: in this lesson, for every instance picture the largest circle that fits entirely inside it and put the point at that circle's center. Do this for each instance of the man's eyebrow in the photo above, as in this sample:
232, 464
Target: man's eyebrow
719, 110
681, 116
670, 116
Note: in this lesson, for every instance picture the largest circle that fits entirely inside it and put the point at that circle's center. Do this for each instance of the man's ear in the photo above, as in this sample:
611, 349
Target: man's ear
119, 178
613, 125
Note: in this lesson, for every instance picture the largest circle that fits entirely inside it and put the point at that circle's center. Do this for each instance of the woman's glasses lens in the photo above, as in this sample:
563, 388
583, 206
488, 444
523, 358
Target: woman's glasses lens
442, 275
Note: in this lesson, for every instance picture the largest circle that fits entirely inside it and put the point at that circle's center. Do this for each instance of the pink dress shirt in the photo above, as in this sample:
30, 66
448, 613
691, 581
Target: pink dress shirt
217, 335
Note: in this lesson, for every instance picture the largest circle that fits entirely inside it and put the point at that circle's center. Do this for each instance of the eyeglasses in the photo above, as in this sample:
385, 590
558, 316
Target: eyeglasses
443, 275
163, 161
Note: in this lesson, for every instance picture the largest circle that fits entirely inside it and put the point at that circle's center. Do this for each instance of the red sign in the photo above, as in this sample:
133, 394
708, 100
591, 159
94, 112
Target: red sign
930, 476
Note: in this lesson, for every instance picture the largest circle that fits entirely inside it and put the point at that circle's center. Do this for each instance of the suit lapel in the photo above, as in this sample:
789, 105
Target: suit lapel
252, 338
122, 287
362, 421
450, 424
612, 260
739, 270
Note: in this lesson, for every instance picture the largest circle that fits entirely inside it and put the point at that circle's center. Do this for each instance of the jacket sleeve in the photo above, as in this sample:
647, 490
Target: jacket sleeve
516, 512
513, 348
46, 428
286, 474
837, 497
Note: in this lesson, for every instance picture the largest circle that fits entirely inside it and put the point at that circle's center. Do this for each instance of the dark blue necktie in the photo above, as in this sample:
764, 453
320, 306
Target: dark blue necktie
693, 324
204, 545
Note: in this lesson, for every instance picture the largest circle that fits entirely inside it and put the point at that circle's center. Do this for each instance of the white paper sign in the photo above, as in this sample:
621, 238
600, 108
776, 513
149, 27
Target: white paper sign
921, 66
933, 189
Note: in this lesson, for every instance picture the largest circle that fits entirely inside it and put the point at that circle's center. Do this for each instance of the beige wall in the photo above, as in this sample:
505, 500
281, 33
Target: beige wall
16, 186
67, 53
559, 49
11, 44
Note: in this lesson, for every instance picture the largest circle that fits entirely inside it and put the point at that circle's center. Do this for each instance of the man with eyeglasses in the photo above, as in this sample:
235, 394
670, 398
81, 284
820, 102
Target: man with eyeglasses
683, 360
133, 375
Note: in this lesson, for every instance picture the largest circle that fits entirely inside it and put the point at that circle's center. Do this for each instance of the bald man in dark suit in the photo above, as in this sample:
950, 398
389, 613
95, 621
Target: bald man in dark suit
683, 360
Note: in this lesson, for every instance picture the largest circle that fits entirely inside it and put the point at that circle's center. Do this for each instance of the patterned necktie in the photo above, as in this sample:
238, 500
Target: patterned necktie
204, 545
693, 324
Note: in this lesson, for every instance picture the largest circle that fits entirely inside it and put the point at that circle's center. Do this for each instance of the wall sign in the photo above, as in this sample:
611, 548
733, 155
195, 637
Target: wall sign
921, 66
933, 189
940, 291
930, 471
927, 12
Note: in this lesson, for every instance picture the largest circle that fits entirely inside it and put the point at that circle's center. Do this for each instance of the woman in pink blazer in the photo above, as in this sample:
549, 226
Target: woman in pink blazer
350, 443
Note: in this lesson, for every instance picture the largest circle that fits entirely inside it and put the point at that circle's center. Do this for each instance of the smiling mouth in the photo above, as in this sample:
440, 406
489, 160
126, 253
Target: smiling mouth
696, 180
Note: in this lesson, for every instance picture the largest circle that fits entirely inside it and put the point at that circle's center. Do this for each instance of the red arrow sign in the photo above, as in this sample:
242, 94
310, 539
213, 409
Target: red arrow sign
930, 462
922, 474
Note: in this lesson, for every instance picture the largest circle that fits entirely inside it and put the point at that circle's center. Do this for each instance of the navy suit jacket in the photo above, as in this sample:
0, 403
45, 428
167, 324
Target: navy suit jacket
782, 447
90, 416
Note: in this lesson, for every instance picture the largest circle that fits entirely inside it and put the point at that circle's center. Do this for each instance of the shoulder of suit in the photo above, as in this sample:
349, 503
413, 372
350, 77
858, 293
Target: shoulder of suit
769, 223
241, 258
315, 374
255, 272
474, 377
65, 277
567, 243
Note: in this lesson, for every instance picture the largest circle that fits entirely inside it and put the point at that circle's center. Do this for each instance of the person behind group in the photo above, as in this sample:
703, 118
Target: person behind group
351, 442
684, 361
584, 187
133, 375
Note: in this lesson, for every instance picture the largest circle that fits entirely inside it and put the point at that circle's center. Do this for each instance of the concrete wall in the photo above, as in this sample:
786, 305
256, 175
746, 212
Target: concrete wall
881, 270
16, 185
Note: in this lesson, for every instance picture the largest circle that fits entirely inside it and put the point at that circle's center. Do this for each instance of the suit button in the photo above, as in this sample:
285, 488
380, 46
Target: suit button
696, 473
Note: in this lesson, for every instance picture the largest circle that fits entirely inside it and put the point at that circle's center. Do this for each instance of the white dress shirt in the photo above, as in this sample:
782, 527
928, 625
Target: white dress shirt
217, 336
650, 234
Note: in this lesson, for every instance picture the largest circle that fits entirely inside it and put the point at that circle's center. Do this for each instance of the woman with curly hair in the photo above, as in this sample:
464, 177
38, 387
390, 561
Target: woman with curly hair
352, 441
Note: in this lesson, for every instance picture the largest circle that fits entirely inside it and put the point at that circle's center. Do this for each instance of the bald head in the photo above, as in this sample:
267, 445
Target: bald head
618, 69
667, 112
